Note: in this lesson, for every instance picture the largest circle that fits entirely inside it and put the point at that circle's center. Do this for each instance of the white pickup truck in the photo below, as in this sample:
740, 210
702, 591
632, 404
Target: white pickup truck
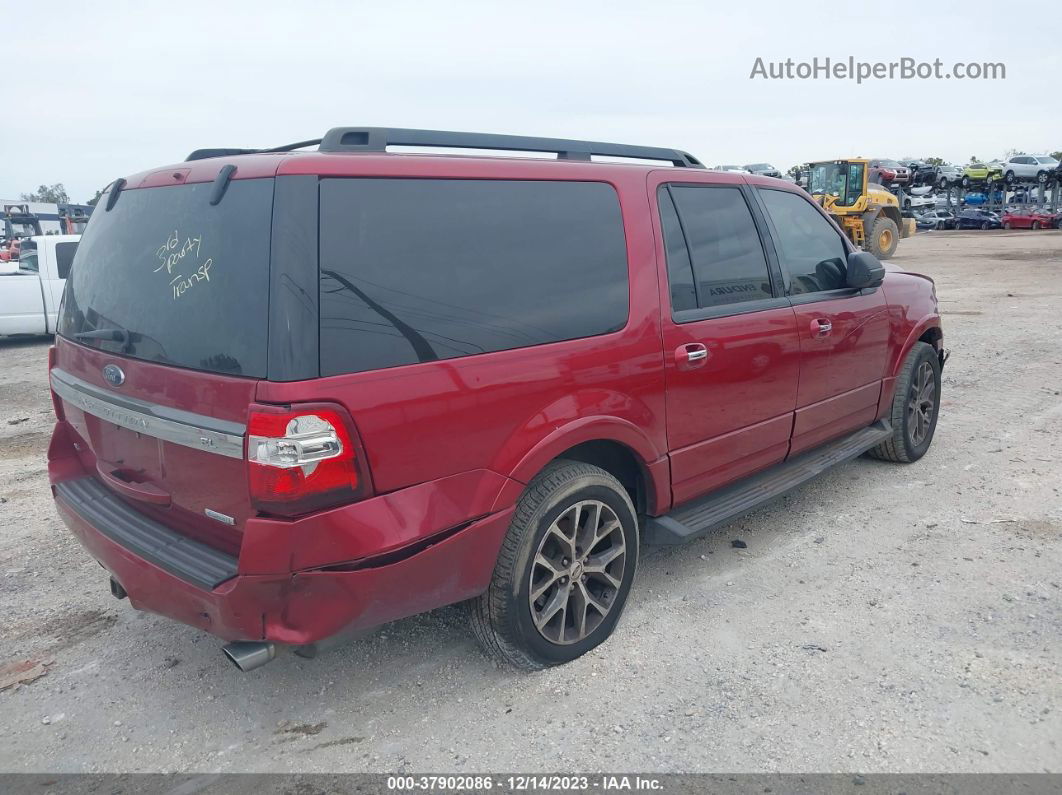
32, 287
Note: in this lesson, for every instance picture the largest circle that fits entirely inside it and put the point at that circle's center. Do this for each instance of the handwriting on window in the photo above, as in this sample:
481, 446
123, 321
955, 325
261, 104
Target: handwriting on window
183, 262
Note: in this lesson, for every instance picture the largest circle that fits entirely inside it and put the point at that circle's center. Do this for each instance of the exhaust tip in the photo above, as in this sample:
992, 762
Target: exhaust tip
117, 591
248, 655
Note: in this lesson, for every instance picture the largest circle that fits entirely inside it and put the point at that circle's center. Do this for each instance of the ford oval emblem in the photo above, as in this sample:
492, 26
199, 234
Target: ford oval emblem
113, 375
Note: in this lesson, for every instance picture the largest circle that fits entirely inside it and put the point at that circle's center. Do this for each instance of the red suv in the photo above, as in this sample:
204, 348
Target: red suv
300, 393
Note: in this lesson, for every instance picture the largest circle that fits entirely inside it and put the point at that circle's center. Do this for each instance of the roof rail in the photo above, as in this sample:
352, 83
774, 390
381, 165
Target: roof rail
203, 154
377, 139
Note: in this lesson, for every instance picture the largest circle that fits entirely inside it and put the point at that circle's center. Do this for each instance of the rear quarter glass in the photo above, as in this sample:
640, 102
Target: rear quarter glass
420, 270
186, 282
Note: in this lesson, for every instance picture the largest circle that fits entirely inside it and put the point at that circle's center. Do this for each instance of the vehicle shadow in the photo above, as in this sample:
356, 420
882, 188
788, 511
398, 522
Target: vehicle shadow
410, 649
24, 341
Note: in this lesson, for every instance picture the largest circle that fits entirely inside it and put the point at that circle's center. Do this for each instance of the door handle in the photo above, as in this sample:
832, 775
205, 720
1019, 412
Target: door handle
690, 355
820, 327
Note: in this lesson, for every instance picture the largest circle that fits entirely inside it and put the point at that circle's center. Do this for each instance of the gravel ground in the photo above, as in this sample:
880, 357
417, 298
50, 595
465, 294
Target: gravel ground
882, 618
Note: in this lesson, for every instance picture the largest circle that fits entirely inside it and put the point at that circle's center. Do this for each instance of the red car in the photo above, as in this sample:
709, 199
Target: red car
1030, 219
299, 393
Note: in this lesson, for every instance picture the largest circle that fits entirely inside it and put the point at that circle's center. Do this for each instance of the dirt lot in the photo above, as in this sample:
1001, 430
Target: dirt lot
883, 618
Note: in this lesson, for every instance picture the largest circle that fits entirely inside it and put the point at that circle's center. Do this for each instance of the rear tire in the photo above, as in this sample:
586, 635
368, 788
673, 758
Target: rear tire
571, 515
915, 407
884, 237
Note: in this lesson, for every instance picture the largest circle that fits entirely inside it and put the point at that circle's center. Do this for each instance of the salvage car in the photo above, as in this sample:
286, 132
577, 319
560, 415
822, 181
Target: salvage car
300, 393
763, 170
980, 174
901, 175
977, 219
1039, 168
1028, 218
947, 175
936, 219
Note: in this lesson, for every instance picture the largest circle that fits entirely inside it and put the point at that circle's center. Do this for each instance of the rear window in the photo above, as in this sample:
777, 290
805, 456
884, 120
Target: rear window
417, 270
179, 281
64, 255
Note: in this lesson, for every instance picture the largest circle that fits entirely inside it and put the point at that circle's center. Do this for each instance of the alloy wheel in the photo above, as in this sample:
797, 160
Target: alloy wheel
921, 403
577, 572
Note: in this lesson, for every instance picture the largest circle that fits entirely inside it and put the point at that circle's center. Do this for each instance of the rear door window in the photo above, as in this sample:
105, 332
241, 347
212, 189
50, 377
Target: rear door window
177, 280
418, 270
725, 252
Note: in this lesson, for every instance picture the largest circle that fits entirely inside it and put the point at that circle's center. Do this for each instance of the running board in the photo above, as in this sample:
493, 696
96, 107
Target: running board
699, 517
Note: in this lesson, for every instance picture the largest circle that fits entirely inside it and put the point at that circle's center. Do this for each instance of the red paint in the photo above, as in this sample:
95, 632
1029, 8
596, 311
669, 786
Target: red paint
449, 446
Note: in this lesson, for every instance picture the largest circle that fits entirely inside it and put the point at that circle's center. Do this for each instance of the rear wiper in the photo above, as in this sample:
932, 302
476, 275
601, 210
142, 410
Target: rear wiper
114, 334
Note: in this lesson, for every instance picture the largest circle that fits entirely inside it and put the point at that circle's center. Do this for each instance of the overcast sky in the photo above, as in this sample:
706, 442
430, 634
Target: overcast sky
98, 90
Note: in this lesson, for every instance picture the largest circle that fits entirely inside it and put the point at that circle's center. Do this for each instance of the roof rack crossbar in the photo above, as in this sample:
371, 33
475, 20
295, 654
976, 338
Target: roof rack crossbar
377, 139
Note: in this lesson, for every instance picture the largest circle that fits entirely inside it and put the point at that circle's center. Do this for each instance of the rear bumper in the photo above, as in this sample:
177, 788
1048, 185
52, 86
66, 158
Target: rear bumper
305, 606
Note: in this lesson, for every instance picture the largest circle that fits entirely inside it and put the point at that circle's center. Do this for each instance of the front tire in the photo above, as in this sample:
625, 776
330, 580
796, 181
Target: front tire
915, 407
884, 237
565, 569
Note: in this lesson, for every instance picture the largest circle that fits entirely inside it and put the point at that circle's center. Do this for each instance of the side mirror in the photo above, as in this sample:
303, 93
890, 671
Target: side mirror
864, 270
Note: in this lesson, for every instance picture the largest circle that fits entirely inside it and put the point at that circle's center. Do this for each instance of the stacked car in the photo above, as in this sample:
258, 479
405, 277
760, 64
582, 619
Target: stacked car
1026, 218
1042, 168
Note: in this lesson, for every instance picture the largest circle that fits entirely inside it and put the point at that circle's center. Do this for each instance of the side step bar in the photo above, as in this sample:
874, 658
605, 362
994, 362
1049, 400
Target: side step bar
699, 517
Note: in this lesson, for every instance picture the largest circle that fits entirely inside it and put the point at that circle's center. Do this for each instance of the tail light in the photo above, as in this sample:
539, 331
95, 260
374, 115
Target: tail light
303, 458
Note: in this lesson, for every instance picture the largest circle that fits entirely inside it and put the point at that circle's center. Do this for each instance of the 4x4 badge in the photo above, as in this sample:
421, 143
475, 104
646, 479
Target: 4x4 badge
113, 375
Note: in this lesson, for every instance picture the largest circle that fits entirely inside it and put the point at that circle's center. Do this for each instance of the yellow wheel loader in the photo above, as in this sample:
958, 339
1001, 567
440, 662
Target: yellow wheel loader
868, 214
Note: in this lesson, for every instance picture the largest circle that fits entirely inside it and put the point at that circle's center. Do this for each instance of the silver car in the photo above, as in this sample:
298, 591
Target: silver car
1025, 168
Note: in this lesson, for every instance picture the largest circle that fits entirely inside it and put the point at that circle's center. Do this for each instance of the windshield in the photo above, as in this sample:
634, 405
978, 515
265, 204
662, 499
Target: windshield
843, 180
168, 277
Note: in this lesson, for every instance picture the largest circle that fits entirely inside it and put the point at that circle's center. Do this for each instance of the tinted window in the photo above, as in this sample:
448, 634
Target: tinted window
415, 270
728, 262
64, 255
184, 282
808, 245
679, 267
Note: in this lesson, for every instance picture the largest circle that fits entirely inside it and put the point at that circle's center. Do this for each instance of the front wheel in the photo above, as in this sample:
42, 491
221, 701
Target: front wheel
564, 571
986, 225
1006, 225
1035, 224
915, 407
883, 238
